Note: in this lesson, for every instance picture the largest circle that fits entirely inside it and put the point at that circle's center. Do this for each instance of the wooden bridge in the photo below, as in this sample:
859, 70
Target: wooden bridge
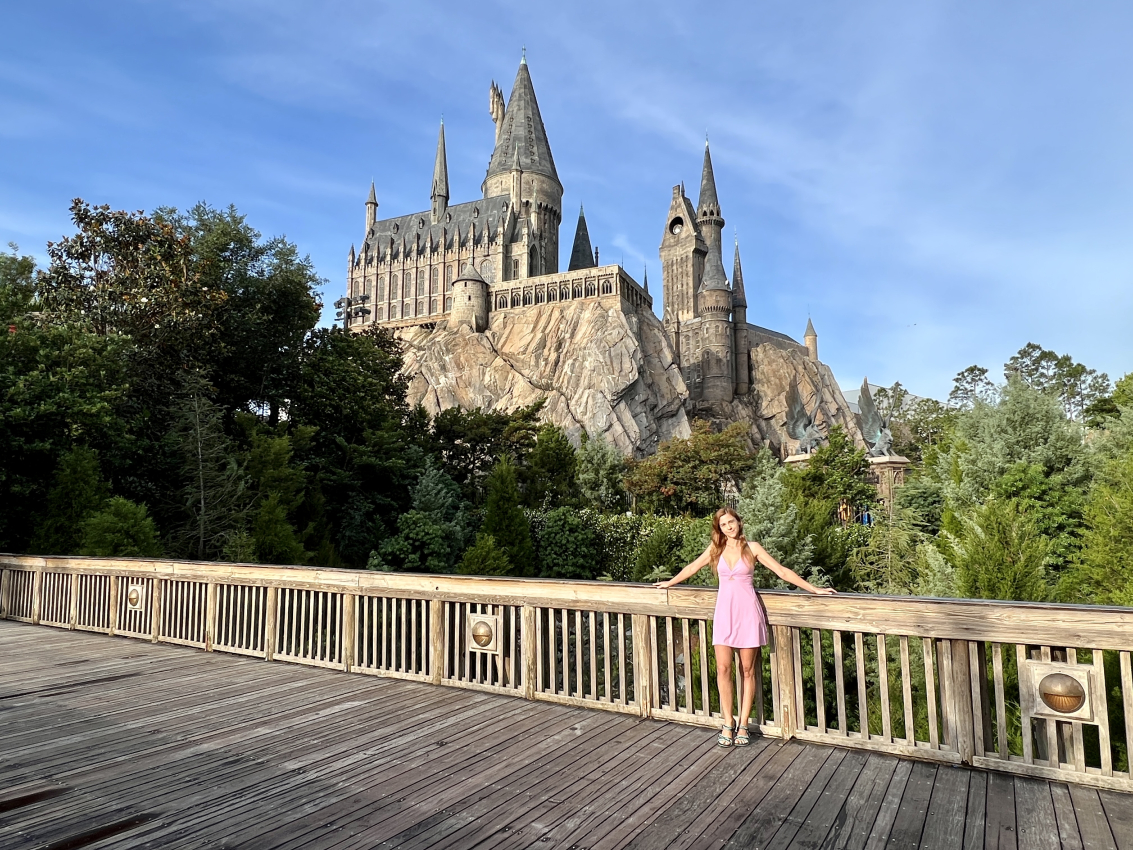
922, 724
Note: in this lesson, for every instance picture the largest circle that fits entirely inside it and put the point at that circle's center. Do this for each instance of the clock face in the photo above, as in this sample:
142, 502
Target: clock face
676, 227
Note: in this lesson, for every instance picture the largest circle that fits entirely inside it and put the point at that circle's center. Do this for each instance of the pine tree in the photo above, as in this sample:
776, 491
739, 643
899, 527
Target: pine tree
123, 529
601, 475
1104, 573
551, 476
78, 492
771, 518
568, 547
1000, 554
504, 520
485, 558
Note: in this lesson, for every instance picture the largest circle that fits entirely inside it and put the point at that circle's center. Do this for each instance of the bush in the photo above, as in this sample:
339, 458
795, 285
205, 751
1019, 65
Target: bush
485, 558
568, 546
123, 529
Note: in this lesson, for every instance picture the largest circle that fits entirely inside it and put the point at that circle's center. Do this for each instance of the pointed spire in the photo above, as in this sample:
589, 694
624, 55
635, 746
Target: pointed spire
373, 199
580, 256
714, 276
352, 253
645, 279
809, 328
522, 130
739, 298
440, 168
708, 204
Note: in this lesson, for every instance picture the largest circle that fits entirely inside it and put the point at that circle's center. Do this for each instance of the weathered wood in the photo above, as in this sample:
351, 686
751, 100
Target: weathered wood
1000, 826
37, 597
1034, 809
643, 657
1069, 836
787, 718
961, 694
1090, 815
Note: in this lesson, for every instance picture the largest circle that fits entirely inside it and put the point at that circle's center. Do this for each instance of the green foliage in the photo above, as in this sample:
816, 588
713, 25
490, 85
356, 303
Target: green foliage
485, 558
17, 287
601, 473
78, 491
1104, 572
504, 521
123, 529
922, 500
772, 519
1055, 509
1076, 387
1000, 554
886, 563
970, 387
687, 476
468, 442
568, 546
657, 556
432, 534
551, 475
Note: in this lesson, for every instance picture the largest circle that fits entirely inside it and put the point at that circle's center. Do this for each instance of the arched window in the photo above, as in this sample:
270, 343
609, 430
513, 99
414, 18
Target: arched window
564, 294
381, 288
448, 304
538, 296
515, 302
551, 295
433, 307
533, 262
381, 314
501, 302
527, 301
393, 311
394, 289
590, 291
606, 288
421, 307
434, 281
577, 291
448, 274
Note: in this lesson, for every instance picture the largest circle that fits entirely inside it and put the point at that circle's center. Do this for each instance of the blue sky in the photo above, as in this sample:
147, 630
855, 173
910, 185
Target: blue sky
938, 183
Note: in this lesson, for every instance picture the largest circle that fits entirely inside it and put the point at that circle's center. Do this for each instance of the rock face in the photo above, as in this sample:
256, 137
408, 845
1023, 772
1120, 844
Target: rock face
764, 408
603, 369
608, 370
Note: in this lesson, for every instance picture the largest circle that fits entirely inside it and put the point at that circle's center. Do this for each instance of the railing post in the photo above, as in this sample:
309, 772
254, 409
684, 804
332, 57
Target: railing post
527, 644
210, 615
5, 593
785, 676
155, 610
73, 619
642, 664
112, 606
349, 609
271, 605
437, 640
961, 696
37, 596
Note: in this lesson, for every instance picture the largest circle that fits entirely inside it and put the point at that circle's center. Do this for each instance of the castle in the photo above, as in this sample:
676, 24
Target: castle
464, 263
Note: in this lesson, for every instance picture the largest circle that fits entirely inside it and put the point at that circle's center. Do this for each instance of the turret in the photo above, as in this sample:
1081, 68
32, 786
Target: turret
717, 366
371, 208
470, 300
682, 264
580, 256
708, 216
439, 193
742, 347
811, 340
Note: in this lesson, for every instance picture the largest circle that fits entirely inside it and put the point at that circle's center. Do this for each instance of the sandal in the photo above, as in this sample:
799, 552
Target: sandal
743, 738
724, 740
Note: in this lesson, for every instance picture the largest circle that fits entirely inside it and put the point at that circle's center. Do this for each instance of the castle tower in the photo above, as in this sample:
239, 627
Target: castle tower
708, 217
717, 366
470, 299
683, 250
439, 193
742, 345
581, 256
811, 340
371, 208
522, 167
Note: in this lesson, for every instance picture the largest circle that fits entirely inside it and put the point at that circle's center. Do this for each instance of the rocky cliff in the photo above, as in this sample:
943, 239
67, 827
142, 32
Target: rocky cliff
601, 369
607, 371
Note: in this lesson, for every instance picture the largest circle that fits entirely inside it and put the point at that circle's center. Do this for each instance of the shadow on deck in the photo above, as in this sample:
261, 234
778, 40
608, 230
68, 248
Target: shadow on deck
112, 743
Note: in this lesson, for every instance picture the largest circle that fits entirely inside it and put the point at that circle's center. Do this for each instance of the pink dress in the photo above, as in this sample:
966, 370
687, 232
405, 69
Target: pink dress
739, 621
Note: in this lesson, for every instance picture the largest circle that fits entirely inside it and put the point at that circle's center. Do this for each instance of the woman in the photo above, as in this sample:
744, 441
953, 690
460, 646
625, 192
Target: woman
739, 624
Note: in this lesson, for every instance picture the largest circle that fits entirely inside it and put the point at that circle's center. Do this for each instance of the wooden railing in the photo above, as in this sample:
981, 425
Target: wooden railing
955, 681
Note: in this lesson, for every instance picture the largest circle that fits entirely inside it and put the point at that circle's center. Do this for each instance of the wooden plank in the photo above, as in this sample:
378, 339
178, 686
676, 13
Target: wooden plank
930, 692
839, 683
975, 819
1119, 813
908, 716
887, 811
1069, 836
1034, 809
1102, 715
1000, 828
883, 683
908, 825
944, 822
863, 702
1090, 815
858, 813
814, 815
819, 693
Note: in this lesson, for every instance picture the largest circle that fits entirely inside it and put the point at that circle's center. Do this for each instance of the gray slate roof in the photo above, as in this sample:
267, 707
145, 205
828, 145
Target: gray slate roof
739, 298
489, 215
582, 254
523, 131
440, 168
708, 197
714, 276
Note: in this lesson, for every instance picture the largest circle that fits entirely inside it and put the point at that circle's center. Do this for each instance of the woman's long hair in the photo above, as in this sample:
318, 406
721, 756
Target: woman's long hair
720, 540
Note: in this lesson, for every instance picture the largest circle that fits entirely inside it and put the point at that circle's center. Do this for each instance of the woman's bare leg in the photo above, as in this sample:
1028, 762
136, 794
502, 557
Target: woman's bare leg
724, 682
747, 694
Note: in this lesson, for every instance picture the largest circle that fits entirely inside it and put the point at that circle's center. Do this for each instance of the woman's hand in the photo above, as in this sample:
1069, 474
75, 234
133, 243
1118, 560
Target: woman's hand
663, 584
824, 591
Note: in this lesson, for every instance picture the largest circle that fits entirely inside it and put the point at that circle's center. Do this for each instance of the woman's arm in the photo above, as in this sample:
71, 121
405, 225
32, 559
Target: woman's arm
689, 571
764, 557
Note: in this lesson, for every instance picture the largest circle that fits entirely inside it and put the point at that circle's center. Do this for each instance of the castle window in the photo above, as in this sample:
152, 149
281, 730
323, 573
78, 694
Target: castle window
564, 294
382, 288
421, 308
514, 269
606, 288
577, 291
590, 290
381, 314
527, 302
538, 296
533, 262
393, 311
448, 274
448, 304
501, 302
420, 281
515, 302
434, 280
394, 289
433, 307
551, 295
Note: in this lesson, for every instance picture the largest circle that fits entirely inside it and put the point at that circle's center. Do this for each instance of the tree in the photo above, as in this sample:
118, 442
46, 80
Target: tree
601, 471
504, 521
214, 495
970, 386
568, 547
78, 492
551, 474
886, 563
687, 476
1000, 554
771, 518
468, 442
123, 529
433, 533
17, 287
1076, 387
485, 558
921, 427
1104, 571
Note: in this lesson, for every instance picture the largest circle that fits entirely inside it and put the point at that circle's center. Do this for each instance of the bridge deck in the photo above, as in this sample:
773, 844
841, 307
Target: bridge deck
106, 742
